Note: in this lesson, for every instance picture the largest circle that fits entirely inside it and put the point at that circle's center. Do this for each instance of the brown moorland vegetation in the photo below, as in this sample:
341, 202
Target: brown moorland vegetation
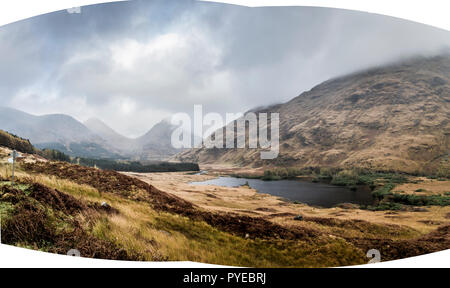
167, 214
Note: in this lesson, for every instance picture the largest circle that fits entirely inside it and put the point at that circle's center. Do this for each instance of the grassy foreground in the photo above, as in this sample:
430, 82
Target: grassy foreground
56, 207
54, 214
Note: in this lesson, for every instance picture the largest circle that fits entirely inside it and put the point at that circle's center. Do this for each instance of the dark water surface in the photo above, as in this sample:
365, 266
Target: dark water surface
317, 194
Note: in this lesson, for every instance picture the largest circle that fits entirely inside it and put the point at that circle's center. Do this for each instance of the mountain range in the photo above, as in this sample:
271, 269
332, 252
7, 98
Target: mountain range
394, 118
153, 145
92, 139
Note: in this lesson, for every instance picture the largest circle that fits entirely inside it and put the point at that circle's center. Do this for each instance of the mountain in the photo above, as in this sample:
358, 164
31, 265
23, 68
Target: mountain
156, 143
47, 128
394, 117
55, 131
116, 140
93, 139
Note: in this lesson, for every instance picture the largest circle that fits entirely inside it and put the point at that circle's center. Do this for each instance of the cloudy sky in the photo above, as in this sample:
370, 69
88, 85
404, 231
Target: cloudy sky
132, 64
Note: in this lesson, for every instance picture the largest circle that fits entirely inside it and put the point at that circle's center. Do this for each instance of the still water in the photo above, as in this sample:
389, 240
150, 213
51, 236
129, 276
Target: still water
316, 194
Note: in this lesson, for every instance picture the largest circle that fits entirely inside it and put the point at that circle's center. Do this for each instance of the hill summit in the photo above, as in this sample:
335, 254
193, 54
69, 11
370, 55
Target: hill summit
387, 118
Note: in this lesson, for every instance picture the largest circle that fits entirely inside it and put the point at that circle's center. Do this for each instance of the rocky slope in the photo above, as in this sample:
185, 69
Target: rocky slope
387, 118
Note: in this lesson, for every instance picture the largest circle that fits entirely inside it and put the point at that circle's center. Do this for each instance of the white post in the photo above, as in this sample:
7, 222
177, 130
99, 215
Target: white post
13, 166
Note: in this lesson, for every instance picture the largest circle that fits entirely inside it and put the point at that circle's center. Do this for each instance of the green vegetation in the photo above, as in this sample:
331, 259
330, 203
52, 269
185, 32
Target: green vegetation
135, 166
384, 206
443, 170
382, 184
119, 165
383, 191
57, 203
5, 209
361, 177
273, 174
83, 149
256, 252
14, 142
248, 176
46, 219
336, 176
22, 145
54, 155
395, 201
67, 218
419, 200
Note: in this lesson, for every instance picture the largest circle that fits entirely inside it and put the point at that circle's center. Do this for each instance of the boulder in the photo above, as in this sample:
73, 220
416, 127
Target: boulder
298, 218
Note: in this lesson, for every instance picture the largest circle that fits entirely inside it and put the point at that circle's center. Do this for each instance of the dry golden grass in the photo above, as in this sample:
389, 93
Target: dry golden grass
159, 235
164, 236
246, 201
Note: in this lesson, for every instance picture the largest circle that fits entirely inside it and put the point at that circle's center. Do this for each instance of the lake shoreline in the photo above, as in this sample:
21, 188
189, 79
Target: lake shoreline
246, 201
297, 191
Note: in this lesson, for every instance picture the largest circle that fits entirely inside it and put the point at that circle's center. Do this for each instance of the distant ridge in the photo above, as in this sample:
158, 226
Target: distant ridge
55, 131
92, 139
394, 117
116, 140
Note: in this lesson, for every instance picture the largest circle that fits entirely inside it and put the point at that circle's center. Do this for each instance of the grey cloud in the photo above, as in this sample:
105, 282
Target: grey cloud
133, 63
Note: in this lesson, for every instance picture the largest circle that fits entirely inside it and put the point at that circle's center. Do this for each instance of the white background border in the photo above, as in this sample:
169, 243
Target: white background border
431, 12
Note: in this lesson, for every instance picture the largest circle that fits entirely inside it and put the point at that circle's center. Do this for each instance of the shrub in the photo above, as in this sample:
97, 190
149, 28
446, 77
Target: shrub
281, 173
135, 166
417, 200
54, 155
381, 192
385, 206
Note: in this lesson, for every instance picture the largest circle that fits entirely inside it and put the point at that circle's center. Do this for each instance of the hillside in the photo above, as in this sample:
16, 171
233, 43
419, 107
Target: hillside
16, 143
92, 139
387, 118
153, 145
156, 143
56, 206
54, 128
120, 142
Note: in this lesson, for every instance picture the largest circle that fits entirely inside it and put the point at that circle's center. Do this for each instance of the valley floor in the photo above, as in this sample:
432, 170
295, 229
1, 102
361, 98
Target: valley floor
57, 206
246, 201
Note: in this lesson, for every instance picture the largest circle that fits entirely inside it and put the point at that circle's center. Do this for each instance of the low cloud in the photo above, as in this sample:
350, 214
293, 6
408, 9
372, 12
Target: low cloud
134, 63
